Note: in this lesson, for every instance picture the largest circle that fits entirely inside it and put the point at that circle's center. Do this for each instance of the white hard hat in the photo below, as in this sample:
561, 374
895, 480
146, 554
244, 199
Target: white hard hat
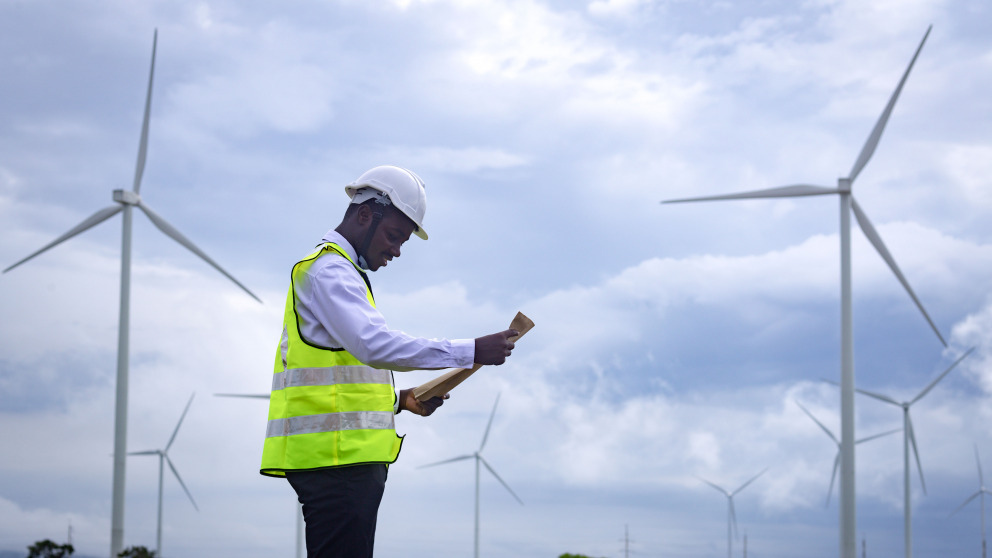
404, 188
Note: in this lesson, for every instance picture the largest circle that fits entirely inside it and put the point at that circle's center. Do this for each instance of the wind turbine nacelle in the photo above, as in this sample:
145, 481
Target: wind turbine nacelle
126, 197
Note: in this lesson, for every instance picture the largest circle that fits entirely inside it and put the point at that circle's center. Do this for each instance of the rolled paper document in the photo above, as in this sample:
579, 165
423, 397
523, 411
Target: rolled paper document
446, 382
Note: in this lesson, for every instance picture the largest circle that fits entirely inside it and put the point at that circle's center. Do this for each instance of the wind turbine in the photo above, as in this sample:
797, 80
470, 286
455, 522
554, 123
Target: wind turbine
731, 514
982, 491
908, 437
848, 512
479, 459
163, 458
833, 475
125, 200
300, 538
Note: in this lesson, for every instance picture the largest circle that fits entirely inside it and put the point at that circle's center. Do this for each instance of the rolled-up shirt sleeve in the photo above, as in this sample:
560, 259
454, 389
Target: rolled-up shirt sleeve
334, 313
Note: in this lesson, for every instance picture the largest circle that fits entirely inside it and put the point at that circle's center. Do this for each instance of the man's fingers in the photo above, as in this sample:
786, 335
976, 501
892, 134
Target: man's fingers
494, 348
428, 407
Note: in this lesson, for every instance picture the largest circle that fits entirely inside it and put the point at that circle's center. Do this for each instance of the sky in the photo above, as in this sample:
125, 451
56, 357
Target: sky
672, 342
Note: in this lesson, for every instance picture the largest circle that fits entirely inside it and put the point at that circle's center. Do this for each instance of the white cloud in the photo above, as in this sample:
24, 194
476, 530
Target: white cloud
460, 160
969, 168
976, 331
615, 8
36, 524
277, 84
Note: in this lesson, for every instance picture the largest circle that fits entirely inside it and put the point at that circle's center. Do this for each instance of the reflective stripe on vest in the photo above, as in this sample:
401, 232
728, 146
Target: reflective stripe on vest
330, 422
329, 376
326, 409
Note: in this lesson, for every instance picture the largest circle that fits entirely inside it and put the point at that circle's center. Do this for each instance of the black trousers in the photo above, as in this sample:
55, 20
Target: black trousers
340, 506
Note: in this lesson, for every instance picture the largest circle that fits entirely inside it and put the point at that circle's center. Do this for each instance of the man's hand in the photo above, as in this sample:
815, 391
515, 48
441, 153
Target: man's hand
422, 408
494, 348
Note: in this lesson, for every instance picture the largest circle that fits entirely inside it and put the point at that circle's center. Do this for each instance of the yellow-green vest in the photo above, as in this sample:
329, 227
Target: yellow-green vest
326, 409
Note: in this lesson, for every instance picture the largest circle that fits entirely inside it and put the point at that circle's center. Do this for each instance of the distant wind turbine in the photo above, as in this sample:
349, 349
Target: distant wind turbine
300, 538
833, 437
982, 491
124, 201
479, 459
731, 514
909, 438
848, 512
163, 458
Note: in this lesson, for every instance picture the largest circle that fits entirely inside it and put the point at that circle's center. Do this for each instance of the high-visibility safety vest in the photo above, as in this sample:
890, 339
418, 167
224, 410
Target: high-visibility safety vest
326, 409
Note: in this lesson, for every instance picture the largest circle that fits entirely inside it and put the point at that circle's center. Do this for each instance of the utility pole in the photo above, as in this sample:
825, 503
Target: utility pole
626, 541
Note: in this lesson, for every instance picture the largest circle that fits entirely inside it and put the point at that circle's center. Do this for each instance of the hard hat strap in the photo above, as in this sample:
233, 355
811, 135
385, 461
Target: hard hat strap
376, 218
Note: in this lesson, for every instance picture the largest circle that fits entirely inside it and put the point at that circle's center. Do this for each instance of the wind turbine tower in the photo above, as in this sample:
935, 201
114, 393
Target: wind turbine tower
124, 202
163, 458
909, 438
477, 456
731, 514
982, 491
848, 512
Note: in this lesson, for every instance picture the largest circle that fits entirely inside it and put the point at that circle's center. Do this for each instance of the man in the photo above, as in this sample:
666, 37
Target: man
331, 431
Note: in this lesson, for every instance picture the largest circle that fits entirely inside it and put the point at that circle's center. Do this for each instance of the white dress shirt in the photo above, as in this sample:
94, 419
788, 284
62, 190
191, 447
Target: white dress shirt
334, 313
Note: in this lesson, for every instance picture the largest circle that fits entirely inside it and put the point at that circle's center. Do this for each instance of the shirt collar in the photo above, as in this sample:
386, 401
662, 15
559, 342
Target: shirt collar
335, 237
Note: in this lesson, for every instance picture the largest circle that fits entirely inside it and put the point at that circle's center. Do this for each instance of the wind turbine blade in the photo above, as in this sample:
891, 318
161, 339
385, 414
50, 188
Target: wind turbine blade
722, 491
506, 486
876, 241
981, 481
149, 452
820, 424
180, 423
246, 395
941, 377
870, 438
966, 502
488, 426
792, 191
89, 222
453, 459
754, 478
916, 453
139, 168
876, 132
181, 483
879, 396
833, 477
174, 234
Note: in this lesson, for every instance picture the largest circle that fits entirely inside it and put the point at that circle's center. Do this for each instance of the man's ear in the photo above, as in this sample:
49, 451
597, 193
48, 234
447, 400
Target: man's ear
364, 215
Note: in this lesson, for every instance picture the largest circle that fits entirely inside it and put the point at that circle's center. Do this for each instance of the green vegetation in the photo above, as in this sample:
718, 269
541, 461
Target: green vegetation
136, 552
49, 549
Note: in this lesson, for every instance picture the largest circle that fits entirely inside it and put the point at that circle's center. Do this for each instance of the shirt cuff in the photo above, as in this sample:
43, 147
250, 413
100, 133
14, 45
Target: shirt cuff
463, 351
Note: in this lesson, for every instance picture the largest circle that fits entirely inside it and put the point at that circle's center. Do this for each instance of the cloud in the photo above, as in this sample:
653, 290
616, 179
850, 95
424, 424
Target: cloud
670, 342
457, 160
37, 524
975, 330
615, 8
